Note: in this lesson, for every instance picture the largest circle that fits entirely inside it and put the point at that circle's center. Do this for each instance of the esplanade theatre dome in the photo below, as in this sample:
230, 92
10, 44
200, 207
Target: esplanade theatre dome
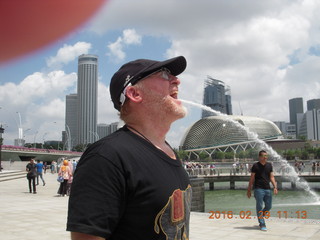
228, 131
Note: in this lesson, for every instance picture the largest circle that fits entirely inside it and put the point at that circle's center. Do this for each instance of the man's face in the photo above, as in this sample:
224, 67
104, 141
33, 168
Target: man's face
161, 93
263, 156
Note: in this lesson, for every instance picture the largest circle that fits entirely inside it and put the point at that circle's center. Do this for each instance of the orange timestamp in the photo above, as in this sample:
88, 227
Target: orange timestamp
262, 214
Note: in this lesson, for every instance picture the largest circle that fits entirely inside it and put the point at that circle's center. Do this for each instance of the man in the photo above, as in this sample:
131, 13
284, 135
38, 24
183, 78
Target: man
31, 175
261, 176
131, 184
40, 167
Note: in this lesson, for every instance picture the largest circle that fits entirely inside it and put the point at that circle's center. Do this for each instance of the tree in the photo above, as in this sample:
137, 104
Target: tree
219, 155
289, 155
183, 155
229, 155
243, 154
317, 153
203, 156
304, 155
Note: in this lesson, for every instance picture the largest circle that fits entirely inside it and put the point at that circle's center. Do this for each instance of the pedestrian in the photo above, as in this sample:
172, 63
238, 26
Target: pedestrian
31, 175
131, 184
74, 165
261, 176
314, 167
40, 168
52, 167
45, 167
66, 172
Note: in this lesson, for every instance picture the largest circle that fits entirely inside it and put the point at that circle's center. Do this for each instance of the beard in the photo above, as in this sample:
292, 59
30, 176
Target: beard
165, 107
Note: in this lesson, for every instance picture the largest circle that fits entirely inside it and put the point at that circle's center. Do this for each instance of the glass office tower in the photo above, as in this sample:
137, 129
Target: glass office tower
217, 96
87, 91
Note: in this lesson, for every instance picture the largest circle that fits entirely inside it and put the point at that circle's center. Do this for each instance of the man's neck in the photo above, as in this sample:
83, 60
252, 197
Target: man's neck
153, 134
263, 162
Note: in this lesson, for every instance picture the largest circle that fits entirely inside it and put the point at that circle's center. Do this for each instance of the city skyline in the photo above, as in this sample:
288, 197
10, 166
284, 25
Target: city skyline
267, 53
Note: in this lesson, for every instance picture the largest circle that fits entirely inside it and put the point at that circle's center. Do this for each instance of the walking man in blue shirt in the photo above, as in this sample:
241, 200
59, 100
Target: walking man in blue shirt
39, 167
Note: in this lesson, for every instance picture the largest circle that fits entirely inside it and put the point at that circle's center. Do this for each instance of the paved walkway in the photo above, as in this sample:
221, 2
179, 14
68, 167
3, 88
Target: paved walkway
42, 216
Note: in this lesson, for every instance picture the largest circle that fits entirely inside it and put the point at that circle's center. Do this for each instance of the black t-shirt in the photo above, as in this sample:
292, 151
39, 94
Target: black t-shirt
262, 175
125, 188
32, 170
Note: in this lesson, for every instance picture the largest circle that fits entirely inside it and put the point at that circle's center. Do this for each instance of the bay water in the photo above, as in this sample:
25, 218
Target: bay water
287, 204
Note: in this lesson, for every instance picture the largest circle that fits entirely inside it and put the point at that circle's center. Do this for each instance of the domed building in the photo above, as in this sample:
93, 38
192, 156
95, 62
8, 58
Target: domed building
228, 132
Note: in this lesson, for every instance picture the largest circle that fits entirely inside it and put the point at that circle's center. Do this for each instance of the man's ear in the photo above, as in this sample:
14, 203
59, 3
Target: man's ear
134, 94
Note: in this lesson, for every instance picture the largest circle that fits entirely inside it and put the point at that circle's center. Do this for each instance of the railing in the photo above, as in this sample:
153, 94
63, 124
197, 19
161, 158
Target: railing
25, 149
233, 171
216, 171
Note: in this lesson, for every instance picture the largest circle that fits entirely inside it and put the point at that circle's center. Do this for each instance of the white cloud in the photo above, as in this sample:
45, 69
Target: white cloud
106, 111
129, 37
68, 54
247, 44
39, 98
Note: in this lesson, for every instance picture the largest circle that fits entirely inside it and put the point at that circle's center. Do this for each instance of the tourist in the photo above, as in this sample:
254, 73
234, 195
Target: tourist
131, 184
302, 167
45, 167
74, 165
53, 167
314, 167
66, 172
40, 167
261, 176
31, 175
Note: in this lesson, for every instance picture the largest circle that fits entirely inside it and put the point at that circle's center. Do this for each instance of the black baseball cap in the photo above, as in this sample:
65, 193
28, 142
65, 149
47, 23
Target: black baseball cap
134, 71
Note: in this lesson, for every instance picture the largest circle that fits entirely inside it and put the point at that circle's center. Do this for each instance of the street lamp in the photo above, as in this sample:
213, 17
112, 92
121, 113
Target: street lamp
68, 137
58, 140
20, 131
34, 139
25, 133
43, 138
20, 126
95, 134
1, 131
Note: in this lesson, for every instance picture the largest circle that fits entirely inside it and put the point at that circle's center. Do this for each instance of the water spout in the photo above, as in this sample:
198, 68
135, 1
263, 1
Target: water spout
292, 174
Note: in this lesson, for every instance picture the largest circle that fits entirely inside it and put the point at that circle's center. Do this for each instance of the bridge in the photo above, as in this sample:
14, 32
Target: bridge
228, 175
14, 155
232, 179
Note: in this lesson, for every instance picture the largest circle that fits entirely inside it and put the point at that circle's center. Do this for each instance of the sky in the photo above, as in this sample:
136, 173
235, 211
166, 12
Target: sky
266, 51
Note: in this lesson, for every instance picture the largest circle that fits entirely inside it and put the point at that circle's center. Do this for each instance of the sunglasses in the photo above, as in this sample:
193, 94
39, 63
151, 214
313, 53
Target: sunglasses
165, 74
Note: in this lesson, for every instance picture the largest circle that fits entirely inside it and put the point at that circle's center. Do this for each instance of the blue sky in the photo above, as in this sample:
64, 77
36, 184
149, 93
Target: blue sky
266, 51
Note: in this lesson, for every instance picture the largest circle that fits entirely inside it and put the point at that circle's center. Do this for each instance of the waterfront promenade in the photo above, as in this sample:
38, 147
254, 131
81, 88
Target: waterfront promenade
42, 216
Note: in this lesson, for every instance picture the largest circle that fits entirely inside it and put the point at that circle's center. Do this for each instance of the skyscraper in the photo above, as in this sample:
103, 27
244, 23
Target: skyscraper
87, 91
295, 107
106, 129
309, 124
216, 96
71, 121
313, 104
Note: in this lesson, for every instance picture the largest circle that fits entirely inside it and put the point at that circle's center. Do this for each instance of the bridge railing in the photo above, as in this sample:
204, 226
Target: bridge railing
216, 171
206, 171
25, 149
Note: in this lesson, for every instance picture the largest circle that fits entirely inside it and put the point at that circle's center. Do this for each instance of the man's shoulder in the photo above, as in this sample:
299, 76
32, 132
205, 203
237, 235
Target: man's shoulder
255, 164
269, 165
115, 142
113, 139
